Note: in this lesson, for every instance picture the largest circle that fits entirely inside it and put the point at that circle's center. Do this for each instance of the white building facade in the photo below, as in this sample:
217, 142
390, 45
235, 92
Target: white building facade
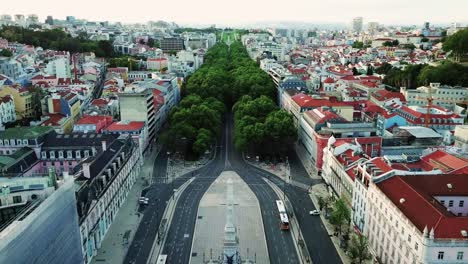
406, 224
115, 180
7, 110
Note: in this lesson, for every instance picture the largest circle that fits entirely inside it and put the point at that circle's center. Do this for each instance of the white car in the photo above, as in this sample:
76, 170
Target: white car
143, 200
314, 212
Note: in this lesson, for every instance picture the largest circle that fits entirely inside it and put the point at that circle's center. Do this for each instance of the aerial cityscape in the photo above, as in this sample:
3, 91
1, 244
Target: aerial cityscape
234, 133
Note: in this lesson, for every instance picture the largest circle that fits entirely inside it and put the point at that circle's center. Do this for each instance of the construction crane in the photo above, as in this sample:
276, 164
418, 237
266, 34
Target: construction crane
430, 100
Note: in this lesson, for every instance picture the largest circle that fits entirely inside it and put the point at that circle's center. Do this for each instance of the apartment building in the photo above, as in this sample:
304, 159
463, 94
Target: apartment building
139, 106
172, 44
419, 219
43, 224
7, 110
104, 182
22, 100
442, 95
340, 160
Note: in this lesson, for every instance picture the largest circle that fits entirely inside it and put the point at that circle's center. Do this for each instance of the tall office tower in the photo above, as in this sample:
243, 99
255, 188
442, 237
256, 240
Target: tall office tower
426, 25
50, 20
357, 24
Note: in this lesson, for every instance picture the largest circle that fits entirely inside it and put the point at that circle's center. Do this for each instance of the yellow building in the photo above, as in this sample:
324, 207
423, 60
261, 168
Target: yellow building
22, 98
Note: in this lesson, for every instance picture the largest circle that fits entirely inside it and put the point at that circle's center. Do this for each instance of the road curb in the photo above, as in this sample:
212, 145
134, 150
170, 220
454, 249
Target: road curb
345, 258
168, 214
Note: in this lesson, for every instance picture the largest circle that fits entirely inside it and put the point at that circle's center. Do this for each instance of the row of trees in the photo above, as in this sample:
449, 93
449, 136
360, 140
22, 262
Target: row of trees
457, 44
261, 128
229, 77
340, 218
450, 73
57, 39
194, 125
414, 76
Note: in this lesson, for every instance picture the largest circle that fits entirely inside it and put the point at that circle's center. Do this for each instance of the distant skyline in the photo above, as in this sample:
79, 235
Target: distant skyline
241, 12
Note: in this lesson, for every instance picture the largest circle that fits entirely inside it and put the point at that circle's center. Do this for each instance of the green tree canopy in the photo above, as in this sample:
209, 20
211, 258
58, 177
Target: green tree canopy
57, 39
359, 249
341, 215
358, 45
5, 53
458, 44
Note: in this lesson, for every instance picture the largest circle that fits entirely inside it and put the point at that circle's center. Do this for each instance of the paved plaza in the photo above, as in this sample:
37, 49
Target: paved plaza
211, 219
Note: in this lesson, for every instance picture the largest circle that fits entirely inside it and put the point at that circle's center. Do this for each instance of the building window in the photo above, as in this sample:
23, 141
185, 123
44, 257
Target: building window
18, 142
442, 202
25, 142
86, 153
460, 255
52, 155
416, 246
43, 155
409, 238
440, 255
461, 203
450, 203
17, 199
78, 154
69, 154
60, 154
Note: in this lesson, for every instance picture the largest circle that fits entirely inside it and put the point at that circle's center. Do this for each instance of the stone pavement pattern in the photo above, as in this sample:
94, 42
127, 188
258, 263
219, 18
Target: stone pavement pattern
209, 229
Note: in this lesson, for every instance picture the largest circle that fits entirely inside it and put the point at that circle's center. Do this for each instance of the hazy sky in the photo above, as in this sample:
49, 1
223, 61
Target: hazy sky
237, 12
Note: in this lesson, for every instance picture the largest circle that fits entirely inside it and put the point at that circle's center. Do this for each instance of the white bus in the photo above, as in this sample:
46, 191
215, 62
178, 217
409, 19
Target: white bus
283, 216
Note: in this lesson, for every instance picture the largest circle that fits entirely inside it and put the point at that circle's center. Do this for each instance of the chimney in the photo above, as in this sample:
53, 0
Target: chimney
104, 145
86, 171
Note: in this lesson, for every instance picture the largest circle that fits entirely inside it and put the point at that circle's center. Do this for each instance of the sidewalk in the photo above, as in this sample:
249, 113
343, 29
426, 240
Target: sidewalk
113, 249
179, 167
320, 190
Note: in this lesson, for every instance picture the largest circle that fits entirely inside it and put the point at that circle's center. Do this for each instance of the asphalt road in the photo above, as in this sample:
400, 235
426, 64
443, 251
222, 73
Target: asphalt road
179, 237
159, 193
316, 237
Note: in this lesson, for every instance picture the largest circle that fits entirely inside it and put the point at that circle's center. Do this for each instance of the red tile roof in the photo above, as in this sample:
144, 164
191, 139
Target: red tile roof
123, 126
329, 80
384, 95
306, 101
88, 119
54, 119
5, 99
420, 206
381, 164
320, 116
445, 162
100, 102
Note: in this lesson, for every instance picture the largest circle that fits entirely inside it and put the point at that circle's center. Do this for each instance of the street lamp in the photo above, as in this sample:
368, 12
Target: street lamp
169, 165
184, 139
286, 176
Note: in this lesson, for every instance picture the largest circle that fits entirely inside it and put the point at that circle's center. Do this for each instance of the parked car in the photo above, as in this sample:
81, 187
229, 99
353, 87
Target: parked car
143, 200
314, 212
